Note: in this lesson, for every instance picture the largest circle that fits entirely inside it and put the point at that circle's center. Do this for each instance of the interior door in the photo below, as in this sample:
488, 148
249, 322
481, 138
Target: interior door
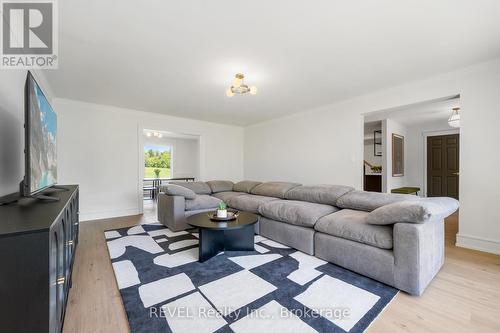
443, 165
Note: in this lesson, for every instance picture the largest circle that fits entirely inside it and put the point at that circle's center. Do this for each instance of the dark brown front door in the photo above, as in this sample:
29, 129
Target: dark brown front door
442, 165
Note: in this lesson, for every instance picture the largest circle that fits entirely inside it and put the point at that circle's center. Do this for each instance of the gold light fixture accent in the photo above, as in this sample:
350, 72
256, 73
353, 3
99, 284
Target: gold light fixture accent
239, 87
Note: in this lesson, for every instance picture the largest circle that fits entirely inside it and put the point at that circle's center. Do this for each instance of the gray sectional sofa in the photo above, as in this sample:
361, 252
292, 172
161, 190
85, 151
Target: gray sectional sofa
393, 238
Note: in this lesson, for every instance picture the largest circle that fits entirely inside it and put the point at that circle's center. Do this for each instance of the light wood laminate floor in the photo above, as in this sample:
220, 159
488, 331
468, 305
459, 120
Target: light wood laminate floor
464, 297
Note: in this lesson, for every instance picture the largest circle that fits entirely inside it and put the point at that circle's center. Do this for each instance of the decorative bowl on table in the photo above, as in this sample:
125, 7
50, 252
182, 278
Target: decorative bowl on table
230, 216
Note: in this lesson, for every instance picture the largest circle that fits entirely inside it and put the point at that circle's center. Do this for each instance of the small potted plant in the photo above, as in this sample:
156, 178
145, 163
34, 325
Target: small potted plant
157, 172
222, 210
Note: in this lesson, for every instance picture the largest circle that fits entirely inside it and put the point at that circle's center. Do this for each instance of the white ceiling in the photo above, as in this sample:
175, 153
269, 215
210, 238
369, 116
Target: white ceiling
178, 57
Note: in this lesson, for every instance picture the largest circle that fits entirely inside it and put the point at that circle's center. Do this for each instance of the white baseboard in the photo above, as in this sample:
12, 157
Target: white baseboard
478, 243
107, 214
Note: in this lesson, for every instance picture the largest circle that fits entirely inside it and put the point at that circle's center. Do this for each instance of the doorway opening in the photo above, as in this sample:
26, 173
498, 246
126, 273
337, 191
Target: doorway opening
373, 154
166, 157
413, 149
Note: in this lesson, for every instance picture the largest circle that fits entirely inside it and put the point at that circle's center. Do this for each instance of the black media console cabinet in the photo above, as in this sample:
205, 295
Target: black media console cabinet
37, 246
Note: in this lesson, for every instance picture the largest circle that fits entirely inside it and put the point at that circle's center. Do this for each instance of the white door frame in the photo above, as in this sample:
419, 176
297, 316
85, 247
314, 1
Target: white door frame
425, 135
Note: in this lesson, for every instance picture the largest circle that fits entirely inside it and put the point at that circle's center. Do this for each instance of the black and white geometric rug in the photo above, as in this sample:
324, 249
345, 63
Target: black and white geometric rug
272, 289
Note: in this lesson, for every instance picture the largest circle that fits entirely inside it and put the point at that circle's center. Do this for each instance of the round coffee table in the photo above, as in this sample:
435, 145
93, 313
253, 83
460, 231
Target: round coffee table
215, 237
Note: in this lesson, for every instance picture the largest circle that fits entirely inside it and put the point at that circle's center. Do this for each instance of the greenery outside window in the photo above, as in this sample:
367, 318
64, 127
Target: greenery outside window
157, 161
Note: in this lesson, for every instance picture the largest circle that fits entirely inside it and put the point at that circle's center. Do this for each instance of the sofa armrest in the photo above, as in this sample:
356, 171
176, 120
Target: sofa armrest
418, 254
171, 211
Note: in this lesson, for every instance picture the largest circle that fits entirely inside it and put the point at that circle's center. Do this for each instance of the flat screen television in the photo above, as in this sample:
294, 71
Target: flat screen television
40, 127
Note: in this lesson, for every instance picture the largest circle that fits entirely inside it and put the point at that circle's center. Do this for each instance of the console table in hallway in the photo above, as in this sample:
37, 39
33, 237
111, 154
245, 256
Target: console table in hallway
406, 190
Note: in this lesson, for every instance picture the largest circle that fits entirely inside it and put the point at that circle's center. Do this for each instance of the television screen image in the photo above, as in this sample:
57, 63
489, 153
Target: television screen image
41, 135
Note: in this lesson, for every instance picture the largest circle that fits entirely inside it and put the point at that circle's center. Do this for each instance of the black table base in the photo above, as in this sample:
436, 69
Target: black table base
214, 241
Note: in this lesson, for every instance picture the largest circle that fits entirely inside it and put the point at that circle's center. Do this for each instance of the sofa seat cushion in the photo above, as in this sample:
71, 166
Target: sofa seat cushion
273, 189
202, 201
322, 194
248, 202
225, 196
300, 213
368, 201
196, 187
220, 185
419, 211
352, 225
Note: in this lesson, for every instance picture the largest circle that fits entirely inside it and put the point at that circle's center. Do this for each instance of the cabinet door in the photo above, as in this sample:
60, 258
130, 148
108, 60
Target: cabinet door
68, 234
61, 272
57, 276
75, 219
53, 245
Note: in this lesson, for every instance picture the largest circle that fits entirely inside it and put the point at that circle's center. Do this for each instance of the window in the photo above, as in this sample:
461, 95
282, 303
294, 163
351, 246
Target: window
157, 161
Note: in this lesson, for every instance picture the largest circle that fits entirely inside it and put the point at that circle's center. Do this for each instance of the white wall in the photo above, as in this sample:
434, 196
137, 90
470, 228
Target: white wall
185, 157
325, 145
389, 182
11, 126
99, 148
308, 148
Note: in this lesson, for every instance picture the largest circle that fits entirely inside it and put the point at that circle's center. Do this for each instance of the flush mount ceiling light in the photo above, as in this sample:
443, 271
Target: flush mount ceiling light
454, 120
155, 134
239, 87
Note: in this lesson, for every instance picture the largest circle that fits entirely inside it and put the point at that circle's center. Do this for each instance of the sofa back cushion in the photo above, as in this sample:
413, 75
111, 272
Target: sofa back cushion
322, 194
245, 186
273, 189
413, 211
300, 213
196, 187
368, 201
172, 189
220, 185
